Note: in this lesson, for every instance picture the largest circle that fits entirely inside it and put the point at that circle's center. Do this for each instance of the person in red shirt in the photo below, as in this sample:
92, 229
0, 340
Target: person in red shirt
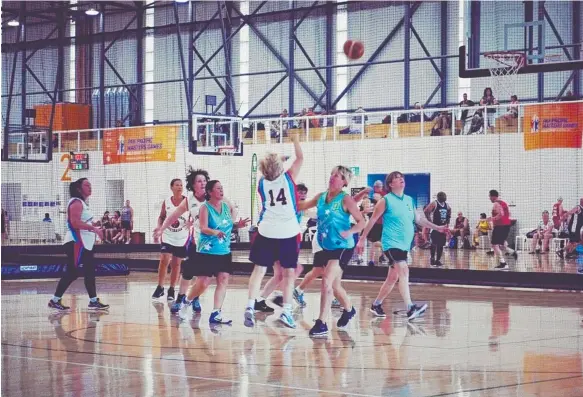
501, 220
558, 213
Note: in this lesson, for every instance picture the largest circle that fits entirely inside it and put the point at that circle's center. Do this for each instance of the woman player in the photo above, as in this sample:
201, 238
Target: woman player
174, 242
196, 181
335, 236
276, 243
213, 249
79, 241
399, 218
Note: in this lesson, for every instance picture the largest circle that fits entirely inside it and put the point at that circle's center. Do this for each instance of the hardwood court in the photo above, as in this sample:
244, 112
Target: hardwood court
471, 342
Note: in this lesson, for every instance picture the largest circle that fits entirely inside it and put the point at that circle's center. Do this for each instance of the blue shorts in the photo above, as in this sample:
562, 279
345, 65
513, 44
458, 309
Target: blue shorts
266, 251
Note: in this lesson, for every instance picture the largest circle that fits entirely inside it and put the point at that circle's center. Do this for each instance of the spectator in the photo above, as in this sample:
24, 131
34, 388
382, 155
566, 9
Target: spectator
442, 122
47, 218
416, 117
489, 100
127, 221
544, 233
558, 212
569, 97
314, 123
117, 233
5, 227
511, 110
482, 229
462, 229
465, 103
477, 123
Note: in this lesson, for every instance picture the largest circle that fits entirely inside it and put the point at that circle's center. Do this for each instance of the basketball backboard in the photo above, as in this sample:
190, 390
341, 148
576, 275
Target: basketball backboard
212, 135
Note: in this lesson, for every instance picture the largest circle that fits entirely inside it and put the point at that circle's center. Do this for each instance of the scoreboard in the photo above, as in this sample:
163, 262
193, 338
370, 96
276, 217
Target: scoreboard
79, 161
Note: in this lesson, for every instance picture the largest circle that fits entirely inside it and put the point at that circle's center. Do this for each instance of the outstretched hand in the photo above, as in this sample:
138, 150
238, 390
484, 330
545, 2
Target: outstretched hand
241, 223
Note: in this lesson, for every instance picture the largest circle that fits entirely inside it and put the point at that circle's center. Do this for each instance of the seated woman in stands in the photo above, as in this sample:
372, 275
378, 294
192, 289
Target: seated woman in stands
116, 231
511, 110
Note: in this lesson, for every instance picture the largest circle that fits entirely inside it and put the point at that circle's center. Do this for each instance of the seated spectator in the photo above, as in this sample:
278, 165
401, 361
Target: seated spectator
544, 233
47, 218
461, 229
442, 122
489, 100
416, 117
314, 123
482, 229
356, 122
465, 103
511, 110
477, 123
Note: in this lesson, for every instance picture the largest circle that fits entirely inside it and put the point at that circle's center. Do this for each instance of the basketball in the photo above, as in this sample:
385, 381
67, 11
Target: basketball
354, 49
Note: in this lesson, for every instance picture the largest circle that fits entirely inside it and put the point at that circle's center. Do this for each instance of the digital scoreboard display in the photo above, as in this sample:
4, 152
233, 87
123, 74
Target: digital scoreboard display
79, 161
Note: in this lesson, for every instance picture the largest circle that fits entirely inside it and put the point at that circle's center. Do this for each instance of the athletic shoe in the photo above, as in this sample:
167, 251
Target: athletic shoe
561, 254
58, 305
196, 307
319, 329
336, 304
262, 307
377, 310
216, 318
97, 305
158, 293
580, 270
278, 300
299, 298
346, 317
287, 319
178, 303
371, 263
250, 317
438, 264
502, 266
170, 294
416, 311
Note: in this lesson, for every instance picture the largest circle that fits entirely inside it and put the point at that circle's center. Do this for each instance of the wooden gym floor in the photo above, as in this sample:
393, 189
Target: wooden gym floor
471, 342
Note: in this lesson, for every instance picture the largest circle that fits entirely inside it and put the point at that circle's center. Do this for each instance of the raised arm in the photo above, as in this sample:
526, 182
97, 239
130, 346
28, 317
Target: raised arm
311, 203
422, 221
181, 209
299, 160
362, 194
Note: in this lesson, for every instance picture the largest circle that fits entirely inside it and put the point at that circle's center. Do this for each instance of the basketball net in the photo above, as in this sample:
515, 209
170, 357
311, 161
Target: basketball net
504, 67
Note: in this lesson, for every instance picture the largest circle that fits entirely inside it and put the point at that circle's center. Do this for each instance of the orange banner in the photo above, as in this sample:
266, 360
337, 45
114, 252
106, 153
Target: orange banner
553, 126
139, 144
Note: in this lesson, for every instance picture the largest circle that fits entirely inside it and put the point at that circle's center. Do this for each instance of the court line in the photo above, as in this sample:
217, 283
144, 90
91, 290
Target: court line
305, 389
503, 386
189, 360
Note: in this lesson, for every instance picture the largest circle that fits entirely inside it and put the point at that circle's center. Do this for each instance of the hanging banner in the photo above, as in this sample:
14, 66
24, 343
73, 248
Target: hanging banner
139, 144
553, 126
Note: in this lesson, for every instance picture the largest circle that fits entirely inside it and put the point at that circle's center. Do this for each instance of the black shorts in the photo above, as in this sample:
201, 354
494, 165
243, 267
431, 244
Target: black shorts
575, 237
208, 265
500, 234
375, 233
438, 239
266, 251
343, 256
178, 252
126, 225
396, 255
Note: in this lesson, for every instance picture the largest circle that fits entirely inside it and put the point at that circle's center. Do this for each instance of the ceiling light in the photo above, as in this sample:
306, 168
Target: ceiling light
14, 22
92, 12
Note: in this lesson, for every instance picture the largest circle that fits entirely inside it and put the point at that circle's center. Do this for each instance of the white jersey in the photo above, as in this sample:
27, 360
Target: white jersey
279, 206
177, 234
84, 237
194, 207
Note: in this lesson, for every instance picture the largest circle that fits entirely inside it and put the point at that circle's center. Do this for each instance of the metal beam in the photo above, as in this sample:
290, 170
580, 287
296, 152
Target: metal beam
407, 51
268, 44
374, 55
138, 117
22, 19
102, 69
292, 61
444, 38
34, 76
297, 25
181, 53
330, 46
265, 96
528, 37
215, 78
566, 85
191, 38
556, 32
425, 50
541, 76
60, 83
226, 32
474, 41
576, 26
9, 104
122, 31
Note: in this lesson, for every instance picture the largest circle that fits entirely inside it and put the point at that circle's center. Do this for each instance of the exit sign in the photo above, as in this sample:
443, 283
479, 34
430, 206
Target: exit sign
355, 170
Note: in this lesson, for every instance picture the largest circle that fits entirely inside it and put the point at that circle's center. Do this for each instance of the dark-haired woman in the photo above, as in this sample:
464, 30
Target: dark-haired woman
174, 240
79, 241
196, 181
214, 247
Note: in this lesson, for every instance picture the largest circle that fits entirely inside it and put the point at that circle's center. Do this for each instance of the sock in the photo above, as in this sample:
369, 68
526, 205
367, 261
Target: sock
216, 311
299, 290
261, 299
439, 253
251, 303
287, 307
93, 300
377, 302
56, 299
432, 250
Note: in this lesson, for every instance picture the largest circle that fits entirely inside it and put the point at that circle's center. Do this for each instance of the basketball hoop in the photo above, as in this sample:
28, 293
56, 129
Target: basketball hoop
504, 67
227, 153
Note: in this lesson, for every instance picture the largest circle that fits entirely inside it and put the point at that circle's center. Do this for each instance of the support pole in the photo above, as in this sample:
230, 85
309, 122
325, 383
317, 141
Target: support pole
407, 60
102, 68
444, 37
291, 60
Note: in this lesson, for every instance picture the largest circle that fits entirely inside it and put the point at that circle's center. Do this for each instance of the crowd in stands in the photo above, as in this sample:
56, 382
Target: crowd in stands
117, 228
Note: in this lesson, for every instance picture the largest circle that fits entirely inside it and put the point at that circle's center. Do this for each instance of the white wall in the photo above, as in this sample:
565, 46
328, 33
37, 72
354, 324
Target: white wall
463, 167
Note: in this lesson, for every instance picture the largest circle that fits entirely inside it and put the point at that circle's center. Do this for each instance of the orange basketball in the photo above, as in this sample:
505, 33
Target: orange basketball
354, 49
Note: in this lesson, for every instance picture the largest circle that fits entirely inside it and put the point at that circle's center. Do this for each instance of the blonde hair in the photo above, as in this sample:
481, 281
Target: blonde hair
271, 166
345, 172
